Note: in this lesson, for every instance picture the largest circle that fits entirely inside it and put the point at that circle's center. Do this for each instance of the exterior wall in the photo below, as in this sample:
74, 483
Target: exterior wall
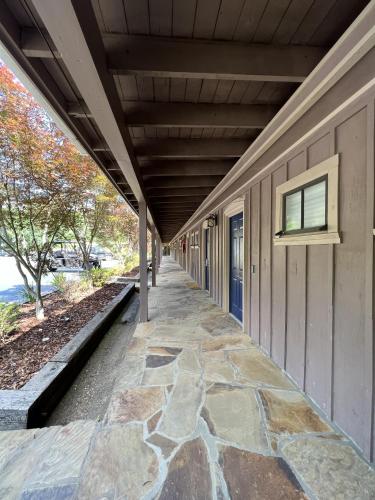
309, 302
311, 307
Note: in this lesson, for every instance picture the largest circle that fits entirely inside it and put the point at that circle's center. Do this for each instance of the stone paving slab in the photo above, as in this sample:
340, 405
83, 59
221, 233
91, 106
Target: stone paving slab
256, 368
249, 475
197, 412
120, 465
233, 415
289, 412
331, 469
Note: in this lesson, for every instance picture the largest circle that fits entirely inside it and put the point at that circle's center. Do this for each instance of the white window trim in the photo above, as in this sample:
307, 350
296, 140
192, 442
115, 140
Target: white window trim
237, 206
329, 167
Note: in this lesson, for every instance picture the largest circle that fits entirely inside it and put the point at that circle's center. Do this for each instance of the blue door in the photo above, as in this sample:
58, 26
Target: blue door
207, 258
236, 265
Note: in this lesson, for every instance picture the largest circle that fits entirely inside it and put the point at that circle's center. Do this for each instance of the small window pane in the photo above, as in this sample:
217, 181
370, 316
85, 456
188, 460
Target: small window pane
293, 211
315, 205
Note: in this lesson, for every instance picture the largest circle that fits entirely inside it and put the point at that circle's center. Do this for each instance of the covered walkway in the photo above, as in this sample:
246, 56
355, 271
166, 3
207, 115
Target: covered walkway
197, 412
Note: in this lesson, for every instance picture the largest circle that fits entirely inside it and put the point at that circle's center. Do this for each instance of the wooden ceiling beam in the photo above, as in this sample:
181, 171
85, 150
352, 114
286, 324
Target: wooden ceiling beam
173, 208
189, 181
168, 213
189, 199
157, 114
186, 114
173, 219
148, 149
178, 192
186, 167
187, 58
178, 208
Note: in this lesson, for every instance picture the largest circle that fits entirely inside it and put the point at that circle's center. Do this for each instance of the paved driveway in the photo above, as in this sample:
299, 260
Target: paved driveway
11, 283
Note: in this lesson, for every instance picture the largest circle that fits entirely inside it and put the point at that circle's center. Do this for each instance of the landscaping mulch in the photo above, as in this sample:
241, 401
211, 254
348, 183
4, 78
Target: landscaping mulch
35, 342
132, 273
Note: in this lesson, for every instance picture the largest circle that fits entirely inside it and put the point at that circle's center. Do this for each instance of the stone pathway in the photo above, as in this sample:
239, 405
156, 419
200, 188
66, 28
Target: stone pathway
198, 412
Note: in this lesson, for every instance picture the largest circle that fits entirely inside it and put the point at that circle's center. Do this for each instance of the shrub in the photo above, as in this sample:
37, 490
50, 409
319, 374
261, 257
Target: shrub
9, 314
131, 263
99, 277
116, 271
27, 296
60, 282
85, 281
75, 290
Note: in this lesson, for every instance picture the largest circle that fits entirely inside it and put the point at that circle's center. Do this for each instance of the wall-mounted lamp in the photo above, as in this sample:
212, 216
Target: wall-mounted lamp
211, 220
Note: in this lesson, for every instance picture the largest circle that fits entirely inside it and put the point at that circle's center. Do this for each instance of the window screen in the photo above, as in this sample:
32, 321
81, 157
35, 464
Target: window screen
305, 208
293, 217
314, 211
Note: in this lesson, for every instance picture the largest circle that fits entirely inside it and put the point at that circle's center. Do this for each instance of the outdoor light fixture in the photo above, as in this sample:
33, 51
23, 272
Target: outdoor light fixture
211, 220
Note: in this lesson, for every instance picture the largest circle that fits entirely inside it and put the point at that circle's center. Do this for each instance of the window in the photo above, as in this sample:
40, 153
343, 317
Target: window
306, 209
194, 239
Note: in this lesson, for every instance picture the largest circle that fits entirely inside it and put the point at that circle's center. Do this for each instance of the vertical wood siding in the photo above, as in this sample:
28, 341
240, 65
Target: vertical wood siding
278, 283
254, 262
265, 264
296, 295
350, 409
311, 307
319, 269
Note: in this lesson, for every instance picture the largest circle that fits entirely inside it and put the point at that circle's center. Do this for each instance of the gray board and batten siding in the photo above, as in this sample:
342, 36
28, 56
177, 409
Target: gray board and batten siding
311, 306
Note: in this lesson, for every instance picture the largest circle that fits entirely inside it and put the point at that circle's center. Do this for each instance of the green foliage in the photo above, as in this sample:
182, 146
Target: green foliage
28, 296
9, 314
130, 263
100, 277
85, 281
60, 282
74, 291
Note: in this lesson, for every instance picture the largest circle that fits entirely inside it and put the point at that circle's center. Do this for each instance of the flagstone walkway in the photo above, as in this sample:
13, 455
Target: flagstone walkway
198, 412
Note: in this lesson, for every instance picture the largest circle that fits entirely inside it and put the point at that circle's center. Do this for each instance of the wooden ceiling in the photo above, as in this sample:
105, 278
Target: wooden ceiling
193, 82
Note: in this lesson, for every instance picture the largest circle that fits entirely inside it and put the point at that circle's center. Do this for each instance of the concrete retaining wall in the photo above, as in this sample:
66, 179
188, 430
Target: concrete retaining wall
30, 405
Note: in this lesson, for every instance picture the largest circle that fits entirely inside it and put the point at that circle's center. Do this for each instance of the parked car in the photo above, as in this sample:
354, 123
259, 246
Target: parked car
94, 261
102, 254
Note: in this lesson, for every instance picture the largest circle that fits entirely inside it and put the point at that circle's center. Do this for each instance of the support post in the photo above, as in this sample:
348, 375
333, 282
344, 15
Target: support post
153, 258
143, 309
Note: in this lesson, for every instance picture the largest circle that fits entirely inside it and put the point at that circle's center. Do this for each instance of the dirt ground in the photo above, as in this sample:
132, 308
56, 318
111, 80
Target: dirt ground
35, 342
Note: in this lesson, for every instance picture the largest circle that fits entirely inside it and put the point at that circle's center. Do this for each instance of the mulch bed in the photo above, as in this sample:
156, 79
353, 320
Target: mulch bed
34, 343
132, 273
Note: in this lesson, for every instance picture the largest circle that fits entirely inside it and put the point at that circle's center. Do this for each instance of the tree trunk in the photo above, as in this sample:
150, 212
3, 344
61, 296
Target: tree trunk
39, 307
86, 262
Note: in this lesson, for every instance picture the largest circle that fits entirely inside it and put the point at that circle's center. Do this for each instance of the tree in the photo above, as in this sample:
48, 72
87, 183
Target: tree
91, 209
40, 173
120, 233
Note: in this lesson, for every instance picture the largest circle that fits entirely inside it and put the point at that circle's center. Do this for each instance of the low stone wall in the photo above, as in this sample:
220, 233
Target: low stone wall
30, 405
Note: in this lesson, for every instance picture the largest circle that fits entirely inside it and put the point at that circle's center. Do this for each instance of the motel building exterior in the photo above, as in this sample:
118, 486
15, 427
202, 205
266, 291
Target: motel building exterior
242, 133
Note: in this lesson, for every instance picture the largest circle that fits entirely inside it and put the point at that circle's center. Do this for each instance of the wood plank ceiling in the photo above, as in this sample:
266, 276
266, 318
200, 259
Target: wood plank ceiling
197, 81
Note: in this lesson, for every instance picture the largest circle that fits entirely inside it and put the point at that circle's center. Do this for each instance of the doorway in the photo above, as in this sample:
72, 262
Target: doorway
236, 265
207, 259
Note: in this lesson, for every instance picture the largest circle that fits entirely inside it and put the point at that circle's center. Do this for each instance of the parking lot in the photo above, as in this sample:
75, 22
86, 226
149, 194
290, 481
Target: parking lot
11, 283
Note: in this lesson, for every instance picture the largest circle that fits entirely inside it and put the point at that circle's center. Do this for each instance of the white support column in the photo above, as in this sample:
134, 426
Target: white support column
154, 258
143, 309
